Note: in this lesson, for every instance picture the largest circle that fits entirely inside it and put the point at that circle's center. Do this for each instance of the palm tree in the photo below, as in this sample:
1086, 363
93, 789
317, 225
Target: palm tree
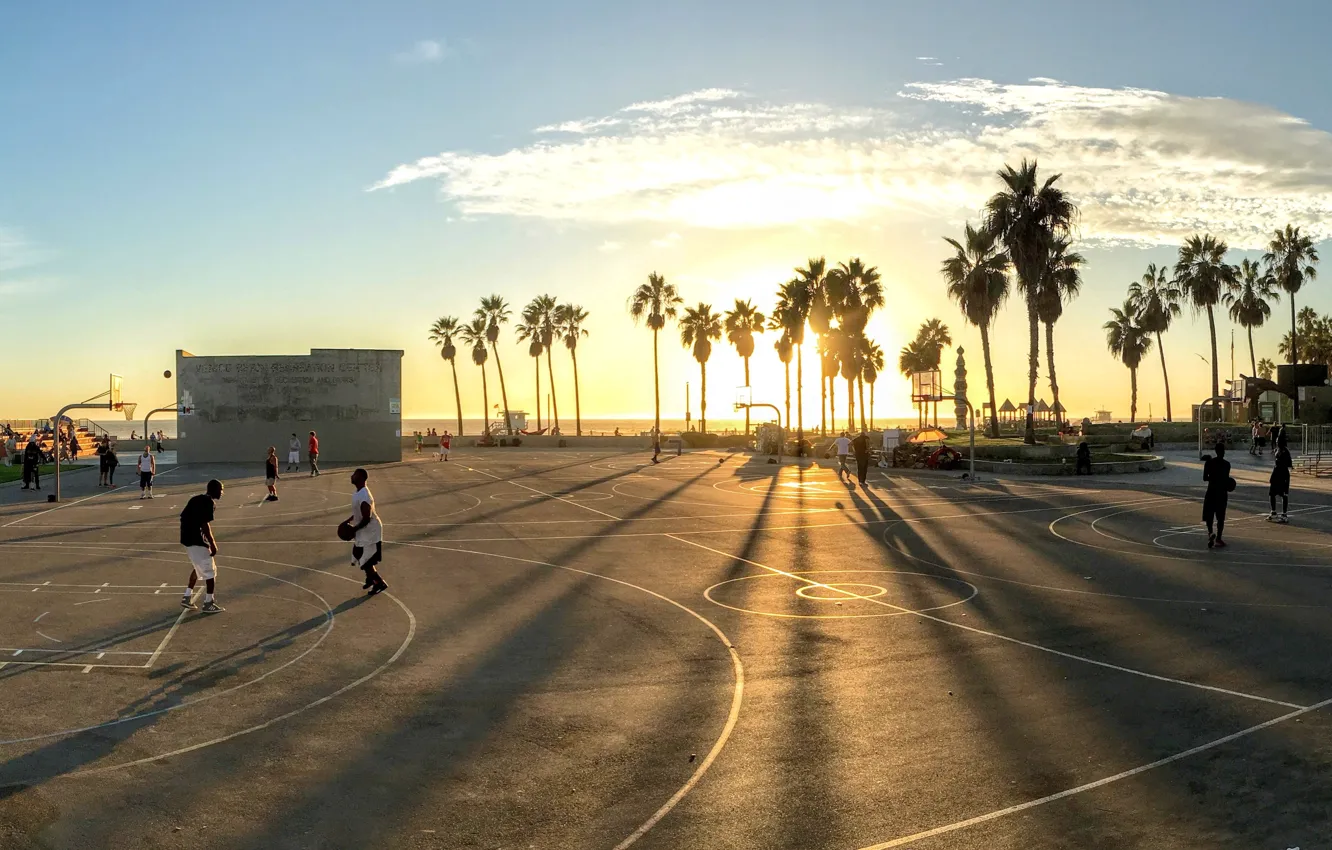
1156, 304
854, 292
1202, 274
442, 332
544, 306
785, 350
1265, 369
474, 334
934, 337
495, 310
1026, 217
1249, 302
790, 316
1061, 283
699, 326
742, 323
569, 319
813, 279
914, 357
1290, 259
871, 368
977, 278
828, 368
529, 331
658, 301
1127, 340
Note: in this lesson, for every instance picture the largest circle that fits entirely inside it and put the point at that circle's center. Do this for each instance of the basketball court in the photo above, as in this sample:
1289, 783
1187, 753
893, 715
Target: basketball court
582, 650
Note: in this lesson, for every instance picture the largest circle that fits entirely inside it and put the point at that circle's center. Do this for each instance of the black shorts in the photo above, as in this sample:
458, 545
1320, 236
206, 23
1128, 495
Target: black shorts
145, 479
373, 560
1214, 507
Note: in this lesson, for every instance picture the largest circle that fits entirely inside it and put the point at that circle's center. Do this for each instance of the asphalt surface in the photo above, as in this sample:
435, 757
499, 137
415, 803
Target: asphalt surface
582, 650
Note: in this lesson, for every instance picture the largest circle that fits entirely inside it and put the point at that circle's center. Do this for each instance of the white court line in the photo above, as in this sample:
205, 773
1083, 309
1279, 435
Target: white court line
152, 659
75, 502
736, 699
40, 616
91, 601
1031, 804
48, 637
547, 495
1036, 646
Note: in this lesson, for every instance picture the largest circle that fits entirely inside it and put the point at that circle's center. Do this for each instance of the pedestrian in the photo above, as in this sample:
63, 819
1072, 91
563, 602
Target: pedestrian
73, 447
271, 474
11, 448
196, 535
445, 443
1216, 472
312, 450
1083, 461
32, 465
100, 450
294, 453
112, 461
419, 441
147, 469
1279, 483
656, 445
368, 542
842, 447
860, 445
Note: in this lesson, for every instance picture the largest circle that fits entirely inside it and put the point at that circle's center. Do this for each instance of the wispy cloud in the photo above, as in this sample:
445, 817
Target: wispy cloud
929, 60
424, 52
670, 240
18, 256
1147, 167
610, 246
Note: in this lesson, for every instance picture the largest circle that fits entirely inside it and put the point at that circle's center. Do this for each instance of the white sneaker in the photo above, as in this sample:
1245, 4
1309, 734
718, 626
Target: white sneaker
1272, 517
1285, 518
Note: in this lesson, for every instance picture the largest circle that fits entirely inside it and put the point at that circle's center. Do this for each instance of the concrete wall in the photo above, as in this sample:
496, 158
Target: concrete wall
243, 405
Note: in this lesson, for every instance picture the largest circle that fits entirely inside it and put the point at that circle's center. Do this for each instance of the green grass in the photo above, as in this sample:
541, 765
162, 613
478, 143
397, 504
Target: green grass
14, 473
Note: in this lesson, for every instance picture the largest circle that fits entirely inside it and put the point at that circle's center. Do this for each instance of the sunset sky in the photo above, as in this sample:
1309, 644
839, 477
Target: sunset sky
267, 178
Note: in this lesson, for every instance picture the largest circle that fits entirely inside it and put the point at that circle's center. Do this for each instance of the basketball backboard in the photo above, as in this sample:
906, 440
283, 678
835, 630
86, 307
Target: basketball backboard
926, 386
744, 397
115, 399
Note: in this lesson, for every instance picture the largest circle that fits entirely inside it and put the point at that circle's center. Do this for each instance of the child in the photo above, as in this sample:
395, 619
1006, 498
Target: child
1279, 483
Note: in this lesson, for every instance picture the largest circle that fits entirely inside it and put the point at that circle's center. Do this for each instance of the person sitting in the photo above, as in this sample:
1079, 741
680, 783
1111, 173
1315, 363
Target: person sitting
1083, 466
944, 457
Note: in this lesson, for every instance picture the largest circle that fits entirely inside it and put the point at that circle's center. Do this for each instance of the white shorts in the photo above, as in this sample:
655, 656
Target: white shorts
202, 561
293, 457
444, 450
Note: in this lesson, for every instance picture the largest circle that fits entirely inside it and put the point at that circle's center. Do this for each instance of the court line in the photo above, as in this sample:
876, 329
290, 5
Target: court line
1036, 646
77, 501
737, 697
170, 633
1069, 792
547, 495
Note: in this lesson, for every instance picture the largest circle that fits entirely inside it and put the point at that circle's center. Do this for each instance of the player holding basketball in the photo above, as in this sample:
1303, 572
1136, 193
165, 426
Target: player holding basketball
368, 542
1216, 472
147, 469
196, 535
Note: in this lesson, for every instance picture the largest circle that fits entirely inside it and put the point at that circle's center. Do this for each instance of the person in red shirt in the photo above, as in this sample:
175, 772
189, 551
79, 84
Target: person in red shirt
314, 454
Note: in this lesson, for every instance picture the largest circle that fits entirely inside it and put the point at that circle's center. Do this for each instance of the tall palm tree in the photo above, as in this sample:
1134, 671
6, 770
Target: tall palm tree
872, 368
813, 278
1155, 301
934, 337
658, 301
541, 312
785, 351
474, 334
1026, 216
828, 368
699, 326
855, 291
529, 331
1130, 343
914, 357
1062, 283
1265, 369
1250, 302
1202, 274
442, 332
1290, 258
742, 322
495, 310
569, 319
790, 317
977, 278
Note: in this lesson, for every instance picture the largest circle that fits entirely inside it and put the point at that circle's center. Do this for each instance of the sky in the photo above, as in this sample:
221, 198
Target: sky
257, 178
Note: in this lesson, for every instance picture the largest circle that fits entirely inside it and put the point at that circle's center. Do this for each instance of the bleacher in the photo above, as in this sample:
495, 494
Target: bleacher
85, 431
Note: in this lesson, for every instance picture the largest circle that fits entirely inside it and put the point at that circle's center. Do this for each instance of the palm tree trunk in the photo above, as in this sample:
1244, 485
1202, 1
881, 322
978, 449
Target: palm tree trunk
823, 402
1216, 382
1133, 397
485, 402
1294, 352
554, 400
457, 396
860, 387
872, 404
1164, 374
656, 390
1033, 365
832, 405
751, 399
504, 392
989, 380
703, 400
800, 397
578, 402
786, 420
536, 361
1253, 362
850, 404
1049, 356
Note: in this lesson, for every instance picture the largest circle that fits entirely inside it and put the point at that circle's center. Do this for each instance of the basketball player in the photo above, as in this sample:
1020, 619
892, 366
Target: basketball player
368, 544
196, 535
271, 473
147, 469
1216, 472
314, 454
444, 443
294, 454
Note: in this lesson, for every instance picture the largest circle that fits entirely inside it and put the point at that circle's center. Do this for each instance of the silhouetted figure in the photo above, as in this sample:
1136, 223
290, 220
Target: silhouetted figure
1216, 472
860, 447
1279, 483
1083, 466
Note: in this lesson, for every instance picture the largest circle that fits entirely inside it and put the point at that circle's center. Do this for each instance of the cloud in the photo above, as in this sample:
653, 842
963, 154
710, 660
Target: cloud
610, 246
670, 240
17, 251
424, 52
929, 60
1147, 167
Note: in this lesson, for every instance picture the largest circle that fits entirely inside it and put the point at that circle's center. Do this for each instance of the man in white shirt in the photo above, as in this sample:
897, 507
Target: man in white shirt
147, 469
294, 454
368, 542
842, 448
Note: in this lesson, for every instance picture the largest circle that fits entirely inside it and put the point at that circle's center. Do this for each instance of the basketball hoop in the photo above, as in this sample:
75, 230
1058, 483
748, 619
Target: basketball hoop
113, 397
127, 408
926, 386
744, 397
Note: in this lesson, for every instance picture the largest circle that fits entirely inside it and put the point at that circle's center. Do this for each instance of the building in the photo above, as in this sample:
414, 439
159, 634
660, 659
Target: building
242, 405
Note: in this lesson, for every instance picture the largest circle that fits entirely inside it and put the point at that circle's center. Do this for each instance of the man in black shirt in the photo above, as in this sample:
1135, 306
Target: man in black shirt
196, 536
1216, 472
32, 465
860, 447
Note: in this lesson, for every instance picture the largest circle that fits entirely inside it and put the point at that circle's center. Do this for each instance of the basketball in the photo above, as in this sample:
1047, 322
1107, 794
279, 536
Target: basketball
1230, 484
166, 373
345, 531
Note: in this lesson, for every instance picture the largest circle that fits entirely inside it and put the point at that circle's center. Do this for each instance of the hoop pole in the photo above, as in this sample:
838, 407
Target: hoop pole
149, 415
781, 434
1202, 404
83, 405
